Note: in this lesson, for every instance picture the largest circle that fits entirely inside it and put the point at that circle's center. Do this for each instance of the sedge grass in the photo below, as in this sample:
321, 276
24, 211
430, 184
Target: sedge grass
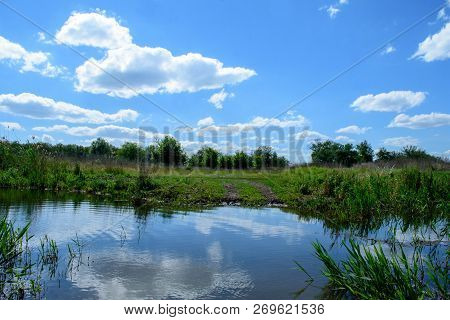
374, 274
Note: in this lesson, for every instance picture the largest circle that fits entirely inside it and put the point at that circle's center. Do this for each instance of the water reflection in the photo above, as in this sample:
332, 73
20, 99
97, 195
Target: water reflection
222, 253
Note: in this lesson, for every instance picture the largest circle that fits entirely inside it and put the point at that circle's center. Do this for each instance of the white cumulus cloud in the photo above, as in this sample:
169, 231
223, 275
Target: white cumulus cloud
257, 122
93, 29
394, 101
47, 138
435, 47
127, 69
344, 139
11, 125
421, 121
442, 15
28, 61
401, 141
218, 98
354, 129
37, 107
106, 131
208, 121
153, 70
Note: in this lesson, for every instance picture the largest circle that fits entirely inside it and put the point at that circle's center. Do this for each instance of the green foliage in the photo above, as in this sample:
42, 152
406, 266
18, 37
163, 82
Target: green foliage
13, 265
329, 152
205, 157
346, 155
152, 154
225, 161
249, 194
261, 158
333, 153
373, 274
241, 160
365, 152
170, 152
324, 152
100, 147
131, 151
413, 152
339, 196
347, 196
407, 153
385, 155
266, 157
70, 150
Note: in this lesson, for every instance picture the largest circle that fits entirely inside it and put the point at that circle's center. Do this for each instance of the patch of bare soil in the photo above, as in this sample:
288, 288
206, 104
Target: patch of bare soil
231, 194
266, 192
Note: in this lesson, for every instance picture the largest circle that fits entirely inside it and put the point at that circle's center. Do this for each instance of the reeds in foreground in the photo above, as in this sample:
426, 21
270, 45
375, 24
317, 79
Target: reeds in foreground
373, 274
14, 263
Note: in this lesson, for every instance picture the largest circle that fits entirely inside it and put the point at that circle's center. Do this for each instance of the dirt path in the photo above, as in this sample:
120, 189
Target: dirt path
231, 193
266, 192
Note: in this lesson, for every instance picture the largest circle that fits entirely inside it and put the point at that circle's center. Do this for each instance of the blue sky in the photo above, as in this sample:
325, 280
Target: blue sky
226, 66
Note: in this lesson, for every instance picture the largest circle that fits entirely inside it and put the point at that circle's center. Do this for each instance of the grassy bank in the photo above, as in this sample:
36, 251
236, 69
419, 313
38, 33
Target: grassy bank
344, 198
336, 195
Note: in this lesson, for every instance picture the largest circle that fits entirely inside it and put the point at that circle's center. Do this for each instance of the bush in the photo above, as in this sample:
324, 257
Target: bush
130, 151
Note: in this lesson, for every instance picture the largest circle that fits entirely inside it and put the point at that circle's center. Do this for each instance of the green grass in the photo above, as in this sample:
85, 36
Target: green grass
361, 198
14, 263
374, 274
249, 194
21, 266
347, 196
339, 196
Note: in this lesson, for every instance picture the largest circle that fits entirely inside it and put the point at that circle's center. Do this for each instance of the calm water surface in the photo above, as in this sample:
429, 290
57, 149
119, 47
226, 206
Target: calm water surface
222, 253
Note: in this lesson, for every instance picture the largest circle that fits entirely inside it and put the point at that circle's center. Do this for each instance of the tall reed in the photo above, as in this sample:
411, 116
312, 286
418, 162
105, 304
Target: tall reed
14, 260
371, 273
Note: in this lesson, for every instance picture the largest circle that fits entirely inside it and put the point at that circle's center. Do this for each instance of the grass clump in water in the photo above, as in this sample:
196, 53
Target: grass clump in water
14, 261
373, 274
21, 267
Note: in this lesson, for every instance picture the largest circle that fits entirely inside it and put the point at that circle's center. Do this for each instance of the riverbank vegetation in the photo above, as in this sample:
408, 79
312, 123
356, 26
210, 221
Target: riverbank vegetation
17, 279
337, 195
359, 198
385, 272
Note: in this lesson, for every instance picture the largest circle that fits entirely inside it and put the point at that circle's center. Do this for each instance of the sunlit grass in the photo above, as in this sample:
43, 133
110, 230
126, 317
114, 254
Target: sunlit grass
371, 273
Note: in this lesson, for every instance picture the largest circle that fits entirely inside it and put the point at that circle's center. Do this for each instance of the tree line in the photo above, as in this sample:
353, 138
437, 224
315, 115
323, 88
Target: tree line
168, 152
334, 153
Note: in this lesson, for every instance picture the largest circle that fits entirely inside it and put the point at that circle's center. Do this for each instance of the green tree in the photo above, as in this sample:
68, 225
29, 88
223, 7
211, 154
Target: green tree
282, 162
226, 161
413, 152
385, 155
208, 157
241, 160
152, 154
325, 152
346, 155
193, 161
171, 152
365, 152
330, 152
100, 147
263, 157
130, 151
